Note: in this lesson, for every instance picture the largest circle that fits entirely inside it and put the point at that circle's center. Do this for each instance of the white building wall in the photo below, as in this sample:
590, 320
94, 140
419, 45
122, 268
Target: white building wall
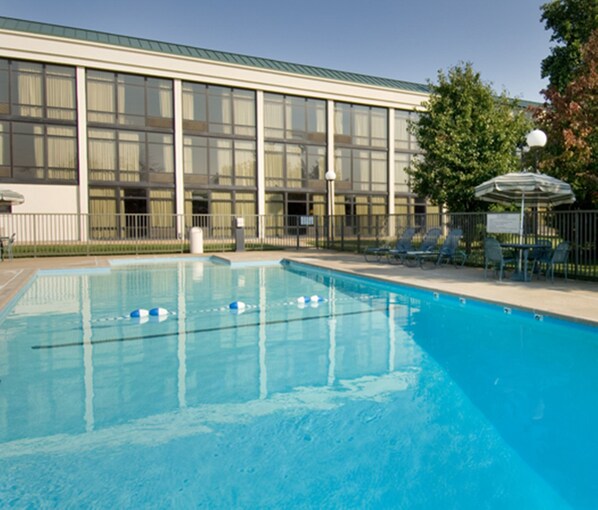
57, 50
47, 198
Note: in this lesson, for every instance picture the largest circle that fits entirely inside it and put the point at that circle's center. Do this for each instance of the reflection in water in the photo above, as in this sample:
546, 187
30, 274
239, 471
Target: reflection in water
393, 395
165, 368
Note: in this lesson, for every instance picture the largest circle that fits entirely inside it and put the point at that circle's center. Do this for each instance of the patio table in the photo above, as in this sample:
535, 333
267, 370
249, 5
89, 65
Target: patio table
523, 249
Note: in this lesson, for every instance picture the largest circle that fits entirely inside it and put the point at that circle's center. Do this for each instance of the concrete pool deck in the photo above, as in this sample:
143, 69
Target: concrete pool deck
571, 299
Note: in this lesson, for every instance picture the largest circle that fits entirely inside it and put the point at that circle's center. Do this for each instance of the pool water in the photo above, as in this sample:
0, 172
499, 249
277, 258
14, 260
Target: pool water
371, 396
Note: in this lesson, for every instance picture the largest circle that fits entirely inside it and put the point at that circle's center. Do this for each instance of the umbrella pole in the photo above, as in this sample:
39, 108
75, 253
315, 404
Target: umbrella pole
521, 230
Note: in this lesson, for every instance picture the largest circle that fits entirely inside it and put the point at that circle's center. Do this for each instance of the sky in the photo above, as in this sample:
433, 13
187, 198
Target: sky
409, 40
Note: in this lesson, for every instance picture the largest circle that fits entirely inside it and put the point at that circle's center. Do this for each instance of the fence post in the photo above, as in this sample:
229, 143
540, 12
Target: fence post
576, 219
316, 224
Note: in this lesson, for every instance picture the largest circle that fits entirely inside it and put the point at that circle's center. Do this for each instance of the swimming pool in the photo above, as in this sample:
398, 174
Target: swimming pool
370, 396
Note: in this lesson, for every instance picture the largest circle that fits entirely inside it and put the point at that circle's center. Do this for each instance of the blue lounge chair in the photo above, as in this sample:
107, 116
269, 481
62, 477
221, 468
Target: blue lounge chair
403, 244
428, 246
448, 252
493, 256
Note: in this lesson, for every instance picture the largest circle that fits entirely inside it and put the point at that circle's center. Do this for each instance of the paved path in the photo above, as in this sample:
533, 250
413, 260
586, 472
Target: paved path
575, 300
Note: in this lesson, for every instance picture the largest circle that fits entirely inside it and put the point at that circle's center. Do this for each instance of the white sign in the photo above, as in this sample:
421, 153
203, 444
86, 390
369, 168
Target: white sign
503, 223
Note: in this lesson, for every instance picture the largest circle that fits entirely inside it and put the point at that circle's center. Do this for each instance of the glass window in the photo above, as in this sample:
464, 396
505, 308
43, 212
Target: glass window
160, 153
379, 132
195, 155
359, 125
102, 154
401, 130
161, 209
44, 152
218, 110
195, 109
364, 170
40, 91
244, 163
101, 97
342, 119
219, 161
4, 149
60, 92
159, 98
130, 151
316, 162
274, 158
401, 177
294, 165
4, 99
342, 165
28, 146
294, 118
129, 100
62, 152
379, 175
274, 116
287, 165
27, 89
244, 112
130, 156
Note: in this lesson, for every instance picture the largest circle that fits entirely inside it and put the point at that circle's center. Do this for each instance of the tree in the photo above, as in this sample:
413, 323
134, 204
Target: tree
468, 136
572, 22
570, 118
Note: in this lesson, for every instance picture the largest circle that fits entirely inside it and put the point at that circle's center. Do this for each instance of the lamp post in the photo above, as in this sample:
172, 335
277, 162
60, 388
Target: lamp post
536, 139
330, 176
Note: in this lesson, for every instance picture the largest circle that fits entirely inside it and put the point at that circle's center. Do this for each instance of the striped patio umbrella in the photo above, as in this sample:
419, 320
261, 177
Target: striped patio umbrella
12, 197
528, 188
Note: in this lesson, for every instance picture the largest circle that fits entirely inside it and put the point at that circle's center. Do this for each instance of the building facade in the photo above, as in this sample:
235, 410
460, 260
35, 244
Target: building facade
97, 123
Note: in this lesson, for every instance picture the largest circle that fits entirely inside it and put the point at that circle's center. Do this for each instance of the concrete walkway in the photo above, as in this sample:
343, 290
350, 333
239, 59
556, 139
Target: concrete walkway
575, 300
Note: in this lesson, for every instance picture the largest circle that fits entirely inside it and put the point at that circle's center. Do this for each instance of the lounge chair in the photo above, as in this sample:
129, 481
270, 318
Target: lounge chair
414, 257
448, 252
494, 256
403, 244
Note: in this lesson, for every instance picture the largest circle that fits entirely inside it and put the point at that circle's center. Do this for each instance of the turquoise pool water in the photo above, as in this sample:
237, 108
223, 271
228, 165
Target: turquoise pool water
375, 396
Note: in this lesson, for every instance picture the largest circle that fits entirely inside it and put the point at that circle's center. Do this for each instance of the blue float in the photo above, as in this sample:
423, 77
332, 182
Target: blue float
139, 313
303, 300
237, 305
316, 299
158, 312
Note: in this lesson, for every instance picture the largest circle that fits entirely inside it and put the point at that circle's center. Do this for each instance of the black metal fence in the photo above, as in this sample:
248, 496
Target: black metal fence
39, 235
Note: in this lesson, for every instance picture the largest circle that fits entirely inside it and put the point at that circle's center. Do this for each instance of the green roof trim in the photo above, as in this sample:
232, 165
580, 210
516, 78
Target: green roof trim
35, 27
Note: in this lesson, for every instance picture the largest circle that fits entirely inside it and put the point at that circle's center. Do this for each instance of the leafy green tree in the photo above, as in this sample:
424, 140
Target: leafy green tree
570, 119
572, 22
468, 135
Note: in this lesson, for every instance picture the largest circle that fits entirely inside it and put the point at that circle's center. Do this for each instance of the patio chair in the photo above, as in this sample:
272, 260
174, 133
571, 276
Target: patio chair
539, 255
403, 244
413, 257
493, 255
6, 247
448, 252
559, 256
